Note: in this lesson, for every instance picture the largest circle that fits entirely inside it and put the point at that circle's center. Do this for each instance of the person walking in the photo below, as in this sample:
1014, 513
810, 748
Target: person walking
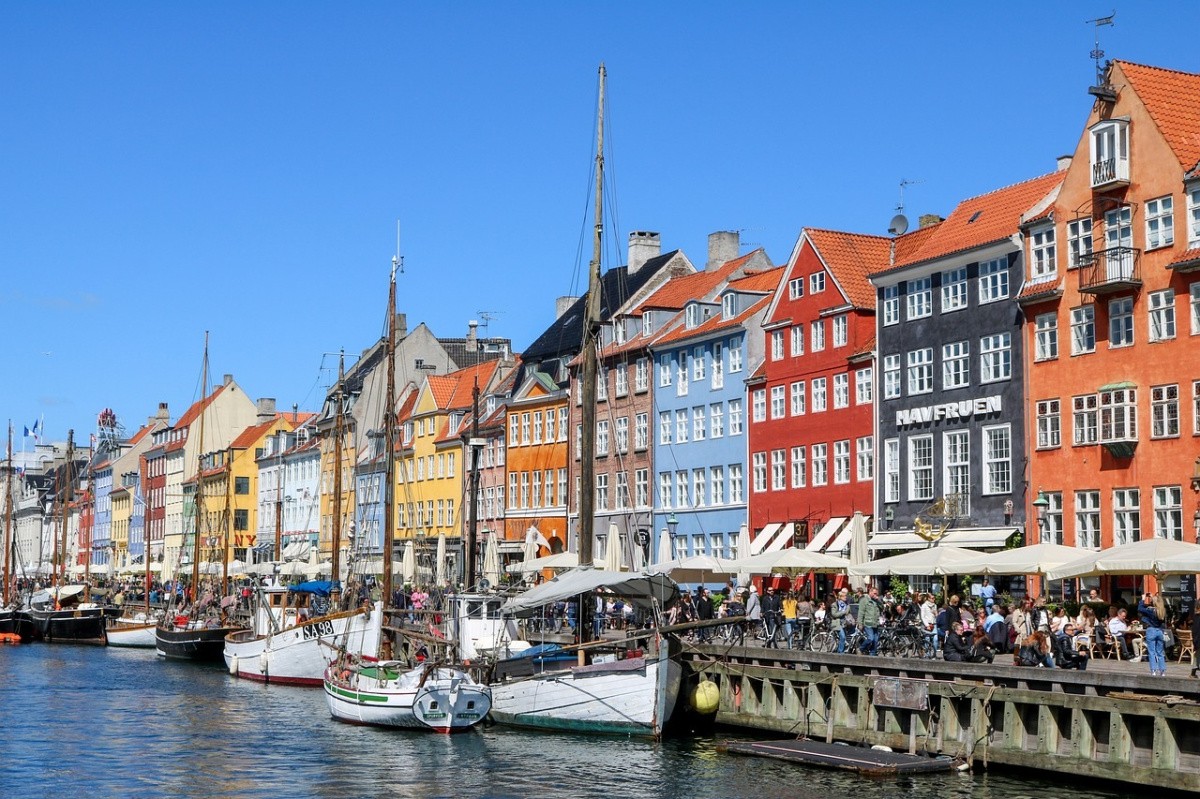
869, 610
838, 613
772, 609
1152, 612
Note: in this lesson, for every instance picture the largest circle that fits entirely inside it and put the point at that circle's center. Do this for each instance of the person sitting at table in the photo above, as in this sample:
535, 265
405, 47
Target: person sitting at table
1066, 655
954, 648
1118, 625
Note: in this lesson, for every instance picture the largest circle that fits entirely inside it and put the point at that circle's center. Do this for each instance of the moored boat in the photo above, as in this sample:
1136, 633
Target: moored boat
291, 645
58, 616
388, 694
16, 625
132, 631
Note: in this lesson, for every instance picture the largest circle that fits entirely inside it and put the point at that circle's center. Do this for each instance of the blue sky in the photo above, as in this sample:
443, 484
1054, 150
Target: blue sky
171, 168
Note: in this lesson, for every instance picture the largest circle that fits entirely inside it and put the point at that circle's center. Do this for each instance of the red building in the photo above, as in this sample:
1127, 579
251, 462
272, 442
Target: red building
812, 455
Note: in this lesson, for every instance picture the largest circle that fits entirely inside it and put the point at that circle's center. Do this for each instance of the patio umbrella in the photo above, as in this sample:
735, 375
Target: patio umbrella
491, 560
1035, 559
441, 559
932, 561
1180, 564
858, 546
408, 563
612, 550
664, 547
237, 567
529, 550
695, 569
743, 541
792, 559
561, 560
1139, 557
293, 568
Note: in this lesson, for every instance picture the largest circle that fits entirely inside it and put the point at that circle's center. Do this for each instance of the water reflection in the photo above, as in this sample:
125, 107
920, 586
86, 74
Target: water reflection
96, 723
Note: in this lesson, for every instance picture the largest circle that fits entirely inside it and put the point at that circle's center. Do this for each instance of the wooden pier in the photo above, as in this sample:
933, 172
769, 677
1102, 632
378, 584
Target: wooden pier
1115, 723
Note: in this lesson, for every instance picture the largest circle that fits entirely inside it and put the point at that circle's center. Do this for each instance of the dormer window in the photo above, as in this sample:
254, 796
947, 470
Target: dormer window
1110, 152
1042, 253
692, 316
647, 323
729, 306
619, 331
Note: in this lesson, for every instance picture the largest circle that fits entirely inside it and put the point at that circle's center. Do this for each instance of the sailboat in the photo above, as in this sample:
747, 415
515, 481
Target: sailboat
15, 624
288, 641
595, 687
360, 689
64, 614
196, 632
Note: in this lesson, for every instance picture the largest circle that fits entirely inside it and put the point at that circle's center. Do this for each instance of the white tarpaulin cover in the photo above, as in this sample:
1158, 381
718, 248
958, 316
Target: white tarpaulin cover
1036, 559
643, 590
1140, 557
932, 561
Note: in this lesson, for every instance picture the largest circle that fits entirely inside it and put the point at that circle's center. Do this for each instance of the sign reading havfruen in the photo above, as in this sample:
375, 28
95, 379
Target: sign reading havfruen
964, 409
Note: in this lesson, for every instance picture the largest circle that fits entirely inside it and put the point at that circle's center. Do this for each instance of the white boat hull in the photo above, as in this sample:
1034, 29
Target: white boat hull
635, 696
139, 634
298, 655
446, 701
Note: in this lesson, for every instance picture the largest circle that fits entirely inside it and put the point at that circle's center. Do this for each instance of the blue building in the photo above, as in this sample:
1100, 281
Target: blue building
699, 420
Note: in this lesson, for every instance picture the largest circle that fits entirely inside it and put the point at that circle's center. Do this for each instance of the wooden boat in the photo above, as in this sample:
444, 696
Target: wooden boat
17, 624
199, 633
388, 694
621, 690
290, 645
132, 631
58, 616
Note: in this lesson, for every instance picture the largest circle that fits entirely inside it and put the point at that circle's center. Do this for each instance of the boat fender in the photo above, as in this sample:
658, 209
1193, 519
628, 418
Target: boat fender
706, 697
233, 665
264, 662
881, 748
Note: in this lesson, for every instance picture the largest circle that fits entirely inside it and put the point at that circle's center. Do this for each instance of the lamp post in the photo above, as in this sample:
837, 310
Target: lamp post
889, 517
1196, 524
1040, 505
672, 527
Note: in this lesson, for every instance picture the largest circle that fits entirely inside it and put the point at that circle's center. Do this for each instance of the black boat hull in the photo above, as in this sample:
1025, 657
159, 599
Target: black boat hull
18, 622
206, 644
71, 626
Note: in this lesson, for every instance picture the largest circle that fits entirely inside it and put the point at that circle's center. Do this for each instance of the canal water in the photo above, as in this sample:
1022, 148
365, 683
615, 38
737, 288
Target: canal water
93, 723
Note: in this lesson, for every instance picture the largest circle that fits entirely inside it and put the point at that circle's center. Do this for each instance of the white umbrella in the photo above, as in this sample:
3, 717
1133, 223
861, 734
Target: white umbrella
791, 559
932, 561
561, 560
529, 550
100, 568
1035, 559
664, 547
1180, 564
293, 568
491, 560
237, 567
1139, 557
695, 569
441, 559
612, 550
408, 563
743, 541
369, 567
858, 546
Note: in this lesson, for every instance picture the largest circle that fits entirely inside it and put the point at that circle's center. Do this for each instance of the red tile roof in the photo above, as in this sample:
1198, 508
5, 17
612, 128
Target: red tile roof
765, 280
252, 434
711, 325
982, 220
1173, 101
140, 434
197, 407
850, 257
1191, 256
677, 291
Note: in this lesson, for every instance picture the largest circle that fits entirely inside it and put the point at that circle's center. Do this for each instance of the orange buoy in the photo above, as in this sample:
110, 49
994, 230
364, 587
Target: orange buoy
9, 638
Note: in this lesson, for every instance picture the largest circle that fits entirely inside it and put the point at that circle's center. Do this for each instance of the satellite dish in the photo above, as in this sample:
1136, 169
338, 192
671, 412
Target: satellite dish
899, 225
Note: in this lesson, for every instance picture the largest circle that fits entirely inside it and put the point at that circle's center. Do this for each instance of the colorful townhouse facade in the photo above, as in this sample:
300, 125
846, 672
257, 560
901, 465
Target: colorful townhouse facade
1112, 319
699, 427
810, 404
287, 492
533, 453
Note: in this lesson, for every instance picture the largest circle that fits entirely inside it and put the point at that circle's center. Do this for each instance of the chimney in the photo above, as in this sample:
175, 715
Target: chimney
265, 408
925, 220
163, 414
227, 379
1063, 162
562, 305
722, 247
472, 338
401, 326
643, 245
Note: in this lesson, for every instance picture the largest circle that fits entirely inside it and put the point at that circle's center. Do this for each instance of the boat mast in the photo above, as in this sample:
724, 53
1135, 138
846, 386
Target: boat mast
225, 523
590, 344
389, 430
473, 490
64, 499
89, 500
145, 528
336, 542
8, 478
199, 496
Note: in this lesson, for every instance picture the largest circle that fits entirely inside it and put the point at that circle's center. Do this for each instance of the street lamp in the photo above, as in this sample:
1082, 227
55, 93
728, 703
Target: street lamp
1196, 524
889, 517
672, 527
1040, 505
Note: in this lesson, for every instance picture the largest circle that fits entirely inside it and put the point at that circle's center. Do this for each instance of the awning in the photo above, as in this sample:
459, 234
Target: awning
297, 550
782, 538
842, 541
509, 546
826, 534
969, 537
763, 538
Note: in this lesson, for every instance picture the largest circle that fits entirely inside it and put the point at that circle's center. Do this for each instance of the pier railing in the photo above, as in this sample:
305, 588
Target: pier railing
1123, 727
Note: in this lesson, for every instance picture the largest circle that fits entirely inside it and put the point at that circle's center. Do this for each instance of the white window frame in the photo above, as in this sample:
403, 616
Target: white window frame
759, 472
993, 280
954, 290
1079, 241
1049, 424
776, 345
956, 364
778, 401
735, 417
841, 330
919, 298
1083, 329
1085, 420
1087, 519
1043, 262
1168, 512
997, 459
717, 481
920, 468
699, 423
621, 381
1161, 315
891, 376
1118, 415
820, 465
864, 386
956, 468
641, 375
995, 358
820, 398
1164, 411
891, 470
735, 355
1046, 337
817, 335
795, 288
864, 450
1127, 515
841, 461
736, 485
816, 282
681, 426
641, 432
796, 335
1194, 303
1160, 222
758, 405
716, 420
718, 365
799, 467
798, 397
841, 390
665, 370
919, 371
778, 469
891, 305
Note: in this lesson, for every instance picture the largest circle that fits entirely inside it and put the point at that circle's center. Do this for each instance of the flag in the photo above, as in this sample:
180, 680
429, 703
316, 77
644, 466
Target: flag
27, 433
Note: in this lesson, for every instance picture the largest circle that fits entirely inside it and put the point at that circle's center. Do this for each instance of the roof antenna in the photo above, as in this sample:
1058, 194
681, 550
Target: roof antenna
1101, 90
485, 317
899, 224
398, 259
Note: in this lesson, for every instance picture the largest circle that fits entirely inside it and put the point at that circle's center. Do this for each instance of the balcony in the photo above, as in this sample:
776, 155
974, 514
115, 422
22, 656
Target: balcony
1111, 271
1110, 173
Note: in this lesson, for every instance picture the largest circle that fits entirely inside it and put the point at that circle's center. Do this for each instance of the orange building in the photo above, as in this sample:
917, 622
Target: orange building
536, 462
1112, 323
